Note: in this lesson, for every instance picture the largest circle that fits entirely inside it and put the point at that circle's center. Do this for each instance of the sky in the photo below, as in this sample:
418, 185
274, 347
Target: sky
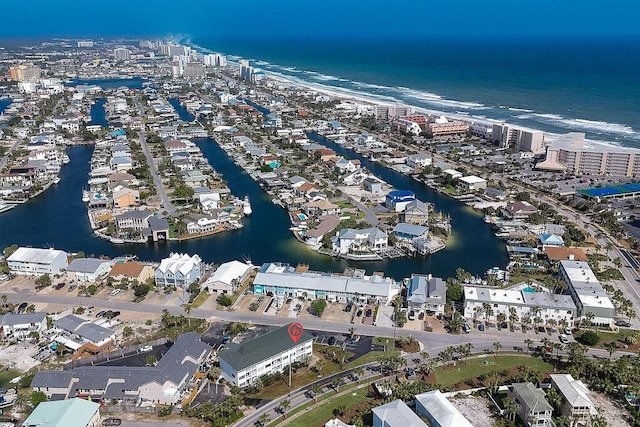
322, 18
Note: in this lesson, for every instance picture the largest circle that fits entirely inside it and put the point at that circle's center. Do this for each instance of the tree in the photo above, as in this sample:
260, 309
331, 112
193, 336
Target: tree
4, 299
151, 360
455, 292
315, 390
589, 338
340, 410
141, 290
43, 281
224, 300
336, 383
264, 419
318, 305
497, 345
127, 331
284, 407
510, 407
611, 348
529, 343
37, 397
187, 310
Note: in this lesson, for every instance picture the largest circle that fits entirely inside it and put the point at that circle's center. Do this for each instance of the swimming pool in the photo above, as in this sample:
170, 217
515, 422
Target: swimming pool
302, 217
529, 289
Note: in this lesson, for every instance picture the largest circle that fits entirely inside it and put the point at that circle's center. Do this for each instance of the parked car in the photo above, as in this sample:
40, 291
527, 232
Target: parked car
71, 288
622, 323
412, 315
481, 327
114, 292
60, 286
369, 312
112, 422
146, 348
332, 341
359, 313
421, 316
563, 339
466, 328
101, 313
567, 331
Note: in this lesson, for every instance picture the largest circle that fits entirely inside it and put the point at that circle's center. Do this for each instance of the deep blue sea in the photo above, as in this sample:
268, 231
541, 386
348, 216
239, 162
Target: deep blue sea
557, 86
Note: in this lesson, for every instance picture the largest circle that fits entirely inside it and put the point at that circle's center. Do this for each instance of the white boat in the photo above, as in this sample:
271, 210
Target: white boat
86, 196
4, 206
65, 159
246, 206
56, 180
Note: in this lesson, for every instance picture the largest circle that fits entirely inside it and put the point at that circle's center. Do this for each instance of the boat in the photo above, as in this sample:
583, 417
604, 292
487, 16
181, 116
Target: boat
56, 180
65, 159
4, 206
246, 206
86, 196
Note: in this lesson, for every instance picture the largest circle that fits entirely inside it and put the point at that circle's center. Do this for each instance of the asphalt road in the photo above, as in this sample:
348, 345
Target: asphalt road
157, 181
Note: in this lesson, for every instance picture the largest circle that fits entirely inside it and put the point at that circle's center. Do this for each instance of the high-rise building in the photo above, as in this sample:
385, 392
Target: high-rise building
85, 43
214, 60
176, 50
25, 73
121, 54
384, 113
568, 153
194, 70
524, 140
245, 69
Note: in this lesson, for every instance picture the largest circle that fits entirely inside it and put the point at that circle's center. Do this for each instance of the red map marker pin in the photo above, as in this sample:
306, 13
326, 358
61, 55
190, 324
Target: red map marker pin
295, 331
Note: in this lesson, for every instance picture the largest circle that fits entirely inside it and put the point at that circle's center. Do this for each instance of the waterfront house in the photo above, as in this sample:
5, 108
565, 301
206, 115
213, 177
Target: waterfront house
167, 383
406, 231
135, 219
551, 240
372, 185
125, 197
360, 240
35, 261
398, 200
180, 270
320, 208
88, 269
519, 210
200, 224
15, 326
121, 163
157, 230
209, 200
426, 294
560, 253
131, 270
396, 414
587, 292
472, 183
242, 364
576, 403
418, 161
228, 277
416, 212
74, 412
282, 280
313, 237
533, 408
439, 412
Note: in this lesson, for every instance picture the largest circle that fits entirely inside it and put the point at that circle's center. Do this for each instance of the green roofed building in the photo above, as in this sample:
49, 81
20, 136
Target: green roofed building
74, 412
242, 364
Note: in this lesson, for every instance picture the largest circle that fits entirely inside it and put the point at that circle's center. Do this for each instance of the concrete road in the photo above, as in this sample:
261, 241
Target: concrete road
157, 181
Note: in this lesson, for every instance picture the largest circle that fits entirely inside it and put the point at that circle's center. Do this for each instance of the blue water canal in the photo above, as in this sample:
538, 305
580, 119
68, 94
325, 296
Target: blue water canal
58, 218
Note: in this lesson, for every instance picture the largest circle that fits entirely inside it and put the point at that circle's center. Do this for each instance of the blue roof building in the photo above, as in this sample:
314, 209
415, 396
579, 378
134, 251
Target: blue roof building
74, 412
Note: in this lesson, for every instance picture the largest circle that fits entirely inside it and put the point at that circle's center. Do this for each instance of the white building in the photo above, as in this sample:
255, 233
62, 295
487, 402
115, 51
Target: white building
88, 269
426, 293
435, 407
587, 292
121, 54
283, 280
576, 403
228, 277
179, 270
349, 239
34, 261
543, 305
20, 326
418, 161
472, 183
242, 364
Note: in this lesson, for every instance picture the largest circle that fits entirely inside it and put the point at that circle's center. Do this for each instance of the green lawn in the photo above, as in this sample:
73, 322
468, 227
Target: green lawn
317, 417
200, 299
450, 375
6, 376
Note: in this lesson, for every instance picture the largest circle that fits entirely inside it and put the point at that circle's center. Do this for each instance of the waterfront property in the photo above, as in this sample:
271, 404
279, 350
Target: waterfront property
85, 338
242, 364
587, 292
180, 270
34, 261
277, 279
166, 383
88, 269
426, 294
131, 270
228, 277
526, 303
366, 240
74, 412
533, 408
22, 326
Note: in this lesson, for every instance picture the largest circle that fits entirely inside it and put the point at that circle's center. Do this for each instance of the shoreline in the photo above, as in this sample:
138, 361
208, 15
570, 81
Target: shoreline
380, 99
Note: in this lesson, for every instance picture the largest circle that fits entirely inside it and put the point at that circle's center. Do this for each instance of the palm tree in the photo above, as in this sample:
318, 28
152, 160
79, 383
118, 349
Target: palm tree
497, 345
358, 372
611, 348
352, 331
4, 299
529, 343
336, 383
315, 389
187, 310
264, 419
513, 315
511, 408
214, 375
284, 407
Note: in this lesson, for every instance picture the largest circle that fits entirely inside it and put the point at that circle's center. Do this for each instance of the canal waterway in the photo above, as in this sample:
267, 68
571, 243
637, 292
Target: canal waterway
183, 113
132, 83
98, 116
4, 103
58, 218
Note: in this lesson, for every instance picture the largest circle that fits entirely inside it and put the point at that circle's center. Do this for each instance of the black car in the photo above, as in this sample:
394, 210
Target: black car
359, 313
112, 422
22, 307
623, 323
369, 313
348, 308
331, 341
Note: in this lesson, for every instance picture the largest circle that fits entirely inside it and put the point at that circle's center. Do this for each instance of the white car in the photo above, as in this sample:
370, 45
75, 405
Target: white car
567, 331
564, 339
114, 292
145, 348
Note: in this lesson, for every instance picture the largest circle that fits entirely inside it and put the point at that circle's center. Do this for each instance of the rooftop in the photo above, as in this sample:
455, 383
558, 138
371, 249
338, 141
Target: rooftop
62, 413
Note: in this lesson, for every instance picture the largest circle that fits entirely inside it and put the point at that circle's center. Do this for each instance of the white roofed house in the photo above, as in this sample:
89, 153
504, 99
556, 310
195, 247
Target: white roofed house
228, 277
426, 293
179, 270
396, 414
368, 239
88, 269
472, 183
82, 336
418, 161
587, 292
435, 407
34, 261
20, 326
576, 402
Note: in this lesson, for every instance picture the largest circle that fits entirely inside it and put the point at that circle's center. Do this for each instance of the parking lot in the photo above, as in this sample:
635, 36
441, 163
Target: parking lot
363, 345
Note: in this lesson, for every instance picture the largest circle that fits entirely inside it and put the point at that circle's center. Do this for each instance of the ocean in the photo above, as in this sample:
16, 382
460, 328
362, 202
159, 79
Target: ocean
556, 86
